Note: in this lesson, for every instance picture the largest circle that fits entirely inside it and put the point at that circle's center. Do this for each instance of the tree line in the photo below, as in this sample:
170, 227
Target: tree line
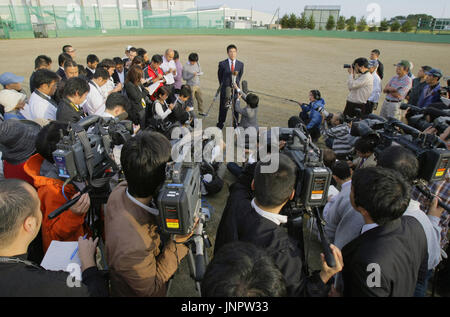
399, 23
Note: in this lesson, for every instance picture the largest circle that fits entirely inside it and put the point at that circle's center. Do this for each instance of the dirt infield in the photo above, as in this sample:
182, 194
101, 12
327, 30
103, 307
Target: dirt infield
284, 66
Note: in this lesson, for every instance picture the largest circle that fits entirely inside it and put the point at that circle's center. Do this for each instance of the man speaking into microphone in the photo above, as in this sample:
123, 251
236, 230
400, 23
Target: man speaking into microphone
230, 72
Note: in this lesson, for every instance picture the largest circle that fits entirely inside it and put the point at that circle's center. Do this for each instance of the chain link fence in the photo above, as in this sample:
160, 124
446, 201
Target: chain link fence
73, 20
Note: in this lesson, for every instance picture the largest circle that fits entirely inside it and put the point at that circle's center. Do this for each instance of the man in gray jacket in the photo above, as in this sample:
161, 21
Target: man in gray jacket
191, 73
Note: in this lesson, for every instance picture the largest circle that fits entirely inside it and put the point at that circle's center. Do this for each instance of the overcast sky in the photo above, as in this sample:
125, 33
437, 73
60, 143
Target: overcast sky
358, 8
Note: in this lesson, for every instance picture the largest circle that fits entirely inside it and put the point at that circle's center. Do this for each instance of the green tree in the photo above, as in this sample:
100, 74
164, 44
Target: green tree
351, 24
311, 23
362, 25
406, 27
384, 26
395, 26
341, 23
284, 21
302, 22
373, 28
292, 21
331, 23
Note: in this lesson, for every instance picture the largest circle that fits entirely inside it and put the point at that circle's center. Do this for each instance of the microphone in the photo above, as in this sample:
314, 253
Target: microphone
233, 78
244, 92
227, 96
245, 87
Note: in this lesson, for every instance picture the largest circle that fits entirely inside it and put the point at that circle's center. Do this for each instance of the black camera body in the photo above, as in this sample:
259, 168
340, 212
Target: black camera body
313, 177
85, 154
430, 151
179, 200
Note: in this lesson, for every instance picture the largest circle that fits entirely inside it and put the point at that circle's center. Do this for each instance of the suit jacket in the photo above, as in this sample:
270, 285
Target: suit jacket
61, 73
380, 69
224, 73
116, 78
138, 265
135, 95
399, 248
67, 113
89, 74
369, 162
240, 222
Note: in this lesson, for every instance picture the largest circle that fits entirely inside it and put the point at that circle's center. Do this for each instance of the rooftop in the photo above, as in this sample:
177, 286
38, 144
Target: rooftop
318, 7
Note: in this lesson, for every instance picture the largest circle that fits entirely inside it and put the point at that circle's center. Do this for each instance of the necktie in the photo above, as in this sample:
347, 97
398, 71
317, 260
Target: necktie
232, 66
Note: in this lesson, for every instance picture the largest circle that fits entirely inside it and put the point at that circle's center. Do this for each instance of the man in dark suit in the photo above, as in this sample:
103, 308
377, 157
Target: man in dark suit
374, 55
227, 68
390, 256
62, 58
258, 221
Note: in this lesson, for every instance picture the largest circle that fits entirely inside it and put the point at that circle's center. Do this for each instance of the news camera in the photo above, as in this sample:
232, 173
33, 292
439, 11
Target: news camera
430, 151
179, 199
423, 118
85, 154
311, 187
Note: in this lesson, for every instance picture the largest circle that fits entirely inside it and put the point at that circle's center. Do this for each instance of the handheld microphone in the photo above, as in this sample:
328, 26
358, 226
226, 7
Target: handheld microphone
245, 87
233, 78
227, 96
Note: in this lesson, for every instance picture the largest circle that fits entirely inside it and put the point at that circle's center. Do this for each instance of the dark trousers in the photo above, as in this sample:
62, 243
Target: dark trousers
223, 112
350, 109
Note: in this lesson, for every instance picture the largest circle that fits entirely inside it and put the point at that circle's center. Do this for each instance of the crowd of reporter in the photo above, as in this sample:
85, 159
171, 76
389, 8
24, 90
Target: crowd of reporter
373, 214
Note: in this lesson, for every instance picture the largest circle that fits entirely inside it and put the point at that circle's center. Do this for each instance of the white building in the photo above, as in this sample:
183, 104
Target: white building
119, 14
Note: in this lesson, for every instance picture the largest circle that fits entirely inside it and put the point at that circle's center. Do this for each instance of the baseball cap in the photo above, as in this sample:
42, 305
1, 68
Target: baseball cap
373, 63
435, 73
9, 78
403, 63
9, 99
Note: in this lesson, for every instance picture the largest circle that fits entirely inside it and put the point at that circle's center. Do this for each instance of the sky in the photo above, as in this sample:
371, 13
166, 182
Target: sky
358, 8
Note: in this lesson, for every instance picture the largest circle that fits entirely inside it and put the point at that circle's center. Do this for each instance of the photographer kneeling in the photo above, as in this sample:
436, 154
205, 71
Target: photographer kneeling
258, 221
311, 114
41, 168
139, 264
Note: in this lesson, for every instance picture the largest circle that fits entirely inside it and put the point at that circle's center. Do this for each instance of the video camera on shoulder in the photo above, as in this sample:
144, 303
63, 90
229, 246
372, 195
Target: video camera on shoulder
313, 177
86, 153
424, 118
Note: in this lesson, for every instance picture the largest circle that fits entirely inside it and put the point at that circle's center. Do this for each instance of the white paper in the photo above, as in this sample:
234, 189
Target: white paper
169, 79
332, 191
152, 88
57, 257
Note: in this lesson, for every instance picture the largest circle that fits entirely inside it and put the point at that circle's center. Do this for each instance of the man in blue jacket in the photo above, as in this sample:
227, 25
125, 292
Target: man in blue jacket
311, 114
432, 91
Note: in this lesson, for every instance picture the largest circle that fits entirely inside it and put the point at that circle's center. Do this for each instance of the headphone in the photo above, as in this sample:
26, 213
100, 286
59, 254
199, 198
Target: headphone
316, 94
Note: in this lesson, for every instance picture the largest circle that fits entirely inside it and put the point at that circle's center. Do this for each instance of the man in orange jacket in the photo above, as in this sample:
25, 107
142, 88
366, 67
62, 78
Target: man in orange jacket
69, 225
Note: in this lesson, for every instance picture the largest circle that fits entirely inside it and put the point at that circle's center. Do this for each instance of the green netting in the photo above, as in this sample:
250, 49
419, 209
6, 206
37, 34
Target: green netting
73, 20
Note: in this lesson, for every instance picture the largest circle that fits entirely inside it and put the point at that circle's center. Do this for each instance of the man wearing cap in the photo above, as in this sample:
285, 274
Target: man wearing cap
418, 86
432, 91
372, 103
17, 144
12, 81
13, 102
396, 90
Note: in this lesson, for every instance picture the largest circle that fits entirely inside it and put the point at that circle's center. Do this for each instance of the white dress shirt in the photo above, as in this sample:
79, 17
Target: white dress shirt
39, 108
95, 101
232, 62
108, 87
276, 218
368, 227
166, 65
121, 77
151, 210
376, 92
